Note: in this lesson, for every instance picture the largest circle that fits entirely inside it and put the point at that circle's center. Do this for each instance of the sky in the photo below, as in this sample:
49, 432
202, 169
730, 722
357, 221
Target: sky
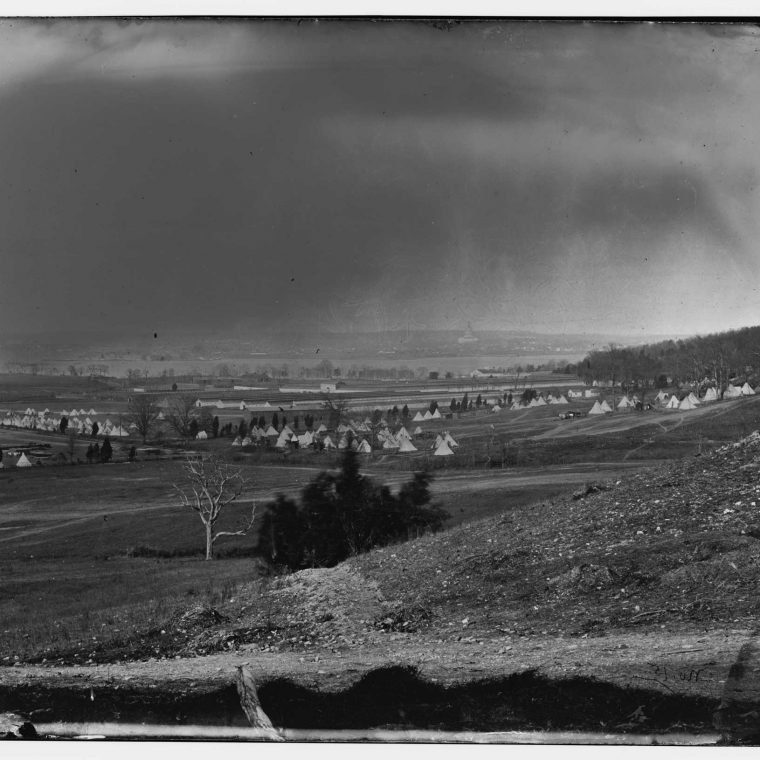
214, 174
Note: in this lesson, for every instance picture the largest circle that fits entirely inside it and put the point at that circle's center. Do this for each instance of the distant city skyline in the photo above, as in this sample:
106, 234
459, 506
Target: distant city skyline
563, 178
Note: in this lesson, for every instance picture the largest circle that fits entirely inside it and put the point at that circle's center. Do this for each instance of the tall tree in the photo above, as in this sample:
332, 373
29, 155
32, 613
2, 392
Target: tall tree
142, 412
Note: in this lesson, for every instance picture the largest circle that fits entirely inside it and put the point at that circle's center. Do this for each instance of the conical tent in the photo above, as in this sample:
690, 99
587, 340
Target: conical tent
496, 408
732, 392
694, 400
605, 407
747, 390
443, 450
406, 446
436, 415
364, 448
624, 403
202, 435
515, 406
540, 401
533, 403
418, 430
447, 437
321, 429
710, 395
427, 415
438, 441
673, 403
328, 444
417, 418
661, 397
687, 404
271, 432
247, 441
596, 408
403, 433
389, 443
237, 441
562, 400
23, 461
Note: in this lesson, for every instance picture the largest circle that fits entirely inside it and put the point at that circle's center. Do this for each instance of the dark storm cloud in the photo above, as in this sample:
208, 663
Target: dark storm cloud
268, 173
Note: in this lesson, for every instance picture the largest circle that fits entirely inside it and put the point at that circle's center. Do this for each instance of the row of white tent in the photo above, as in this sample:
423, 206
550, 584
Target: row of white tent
53, 424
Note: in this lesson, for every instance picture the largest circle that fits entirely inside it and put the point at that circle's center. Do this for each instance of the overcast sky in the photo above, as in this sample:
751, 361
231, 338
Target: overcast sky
559, 177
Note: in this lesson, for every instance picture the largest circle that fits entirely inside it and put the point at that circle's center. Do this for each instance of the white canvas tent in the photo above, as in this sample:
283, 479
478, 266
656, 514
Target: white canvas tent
596, 408
732, 392
624, 403
436, 415
687, 404
747, 390
23, 461
237, 441
605, 407
418, 430
406, 446
417, 418
447, 437
443, 450
673, 403
710, 395
364, 448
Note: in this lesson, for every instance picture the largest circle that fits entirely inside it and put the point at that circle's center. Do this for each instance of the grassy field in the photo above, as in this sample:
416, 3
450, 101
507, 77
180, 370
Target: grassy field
105, 551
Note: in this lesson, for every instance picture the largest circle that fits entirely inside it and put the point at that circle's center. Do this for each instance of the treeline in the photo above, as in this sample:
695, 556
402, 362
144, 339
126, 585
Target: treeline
343, 514
716, 358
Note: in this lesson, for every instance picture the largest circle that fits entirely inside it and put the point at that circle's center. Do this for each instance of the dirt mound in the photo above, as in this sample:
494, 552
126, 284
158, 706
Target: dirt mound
338, 597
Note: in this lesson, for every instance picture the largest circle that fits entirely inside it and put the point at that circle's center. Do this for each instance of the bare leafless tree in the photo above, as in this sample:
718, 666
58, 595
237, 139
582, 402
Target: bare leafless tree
182, 411
209, 486
142, 412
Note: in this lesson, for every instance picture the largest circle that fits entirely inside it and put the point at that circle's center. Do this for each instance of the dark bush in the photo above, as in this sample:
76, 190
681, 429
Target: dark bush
345, 514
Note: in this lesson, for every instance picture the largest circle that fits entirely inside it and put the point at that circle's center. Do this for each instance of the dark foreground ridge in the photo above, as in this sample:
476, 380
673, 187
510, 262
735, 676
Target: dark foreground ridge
393, 697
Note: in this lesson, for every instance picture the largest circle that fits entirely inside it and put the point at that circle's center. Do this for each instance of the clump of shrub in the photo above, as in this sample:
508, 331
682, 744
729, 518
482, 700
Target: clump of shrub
343, 514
